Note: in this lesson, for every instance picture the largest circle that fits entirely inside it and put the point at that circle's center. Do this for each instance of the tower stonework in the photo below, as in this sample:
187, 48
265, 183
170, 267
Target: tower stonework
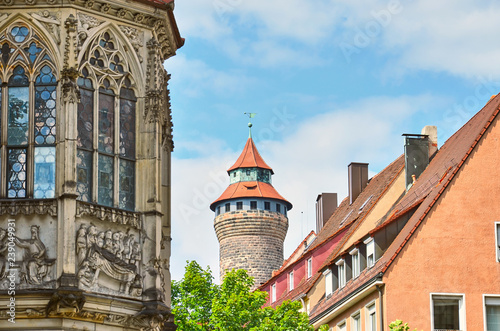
251, 218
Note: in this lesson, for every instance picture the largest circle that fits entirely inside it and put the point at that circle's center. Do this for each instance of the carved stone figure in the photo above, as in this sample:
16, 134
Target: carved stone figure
3, 253
113, 253
35, 268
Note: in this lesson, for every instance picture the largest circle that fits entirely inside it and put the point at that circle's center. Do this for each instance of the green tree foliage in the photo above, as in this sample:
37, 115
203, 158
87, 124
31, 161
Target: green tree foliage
398, 325
192, 298
200, 305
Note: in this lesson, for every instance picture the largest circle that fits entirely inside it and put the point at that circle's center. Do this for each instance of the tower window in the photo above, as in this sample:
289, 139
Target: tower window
228, 207
253, 204
278, 208
29, 127
239, 205
267, 205
218, 210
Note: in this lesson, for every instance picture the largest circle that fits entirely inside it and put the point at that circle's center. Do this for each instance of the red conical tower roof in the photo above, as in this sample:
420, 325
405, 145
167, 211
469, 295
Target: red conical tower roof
250, 158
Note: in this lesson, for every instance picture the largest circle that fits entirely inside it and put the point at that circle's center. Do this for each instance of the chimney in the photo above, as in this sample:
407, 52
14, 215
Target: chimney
432, 132
326, 203
358, 178
416, 156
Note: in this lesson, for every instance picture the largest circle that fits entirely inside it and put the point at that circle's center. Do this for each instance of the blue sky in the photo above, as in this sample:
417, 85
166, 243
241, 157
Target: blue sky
332, 82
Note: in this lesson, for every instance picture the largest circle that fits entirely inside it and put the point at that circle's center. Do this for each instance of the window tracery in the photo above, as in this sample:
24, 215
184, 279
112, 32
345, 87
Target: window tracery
28, 129
106, 126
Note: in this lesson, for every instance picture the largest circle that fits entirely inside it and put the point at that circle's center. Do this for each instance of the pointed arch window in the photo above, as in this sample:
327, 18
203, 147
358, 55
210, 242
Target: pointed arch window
28, 121
106, 126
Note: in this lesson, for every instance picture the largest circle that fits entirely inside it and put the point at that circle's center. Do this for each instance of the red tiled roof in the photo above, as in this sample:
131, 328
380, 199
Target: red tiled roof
252, 189
250, 158
422, 196
444, 166
297, 253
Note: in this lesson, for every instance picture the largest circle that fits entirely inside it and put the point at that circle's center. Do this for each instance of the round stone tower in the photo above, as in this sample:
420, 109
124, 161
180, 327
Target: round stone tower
251, 218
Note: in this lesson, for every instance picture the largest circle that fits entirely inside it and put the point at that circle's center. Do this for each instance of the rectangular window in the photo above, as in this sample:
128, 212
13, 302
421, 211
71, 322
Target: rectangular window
267, 205
370, 252
341, 326
342, 275
273, 293
239, 205
371, 317
278, 208
228, 207
309, 268
253, 204
356, 321
497, 240
448, 312
218, 210
492, 313
328, 282
356, 267
290, 281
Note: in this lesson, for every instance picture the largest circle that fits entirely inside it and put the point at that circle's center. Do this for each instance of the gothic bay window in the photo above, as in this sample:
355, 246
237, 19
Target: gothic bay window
28, 122
106, 127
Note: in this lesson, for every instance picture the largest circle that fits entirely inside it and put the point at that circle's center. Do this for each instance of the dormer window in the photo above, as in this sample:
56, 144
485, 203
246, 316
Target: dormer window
309, 267
328, 282
370, 252
341, 272
356, 265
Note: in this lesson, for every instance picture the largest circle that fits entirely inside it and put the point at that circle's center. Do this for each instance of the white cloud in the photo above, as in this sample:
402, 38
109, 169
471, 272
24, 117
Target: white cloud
194, 77
312, 160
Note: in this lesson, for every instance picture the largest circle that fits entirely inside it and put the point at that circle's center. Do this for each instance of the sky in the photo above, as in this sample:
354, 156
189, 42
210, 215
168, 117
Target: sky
332, 82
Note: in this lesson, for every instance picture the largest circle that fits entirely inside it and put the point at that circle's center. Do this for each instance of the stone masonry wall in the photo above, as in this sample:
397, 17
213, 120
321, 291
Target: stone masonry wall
251, 240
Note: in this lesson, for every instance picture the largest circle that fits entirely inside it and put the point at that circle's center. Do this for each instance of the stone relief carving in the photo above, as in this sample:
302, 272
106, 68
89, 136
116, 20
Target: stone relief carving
115, 254
65, 302
3, 254
3, 17
136, 38
36, 267
108, 214
51, 22
85, 23
40, 207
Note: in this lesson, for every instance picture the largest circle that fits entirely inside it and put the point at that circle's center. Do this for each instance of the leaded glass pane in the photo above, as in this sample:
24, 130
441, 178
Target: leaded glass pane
84, 175
127, 181
17, 127
19, 33
46, 76
45, 115
19, 78
105, 180
106, 123
127, 126
6, 50
16, 173
85, 122
33, 51
45, 173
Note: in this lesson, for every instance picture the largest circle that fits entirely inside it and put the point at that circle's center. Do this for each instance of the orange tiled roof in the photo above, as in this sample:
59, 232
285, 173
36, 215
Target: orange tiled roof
252, 189
250, 158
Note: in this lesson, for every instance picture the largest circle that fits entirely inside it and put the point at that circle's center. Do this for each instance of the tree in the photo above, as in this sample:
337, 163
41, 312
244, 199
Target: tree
398, 325
200, 305
192, 298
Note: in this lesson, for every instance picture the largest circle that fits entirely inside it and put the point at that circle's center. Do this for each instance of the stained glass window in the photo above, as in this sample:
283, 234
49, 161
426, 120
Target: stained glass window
29, 123
16, 173
45, 173
105, 178
110, 141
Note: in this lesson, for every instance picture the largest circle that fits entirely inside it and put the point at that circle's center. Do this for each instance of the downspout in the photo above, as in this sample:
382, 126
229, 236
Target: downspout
379, 289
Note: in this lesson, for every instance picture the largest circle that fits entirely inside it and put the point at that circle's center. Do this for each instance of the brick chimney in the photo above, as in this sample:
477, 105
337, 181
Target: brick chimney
326, 203
358, 178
